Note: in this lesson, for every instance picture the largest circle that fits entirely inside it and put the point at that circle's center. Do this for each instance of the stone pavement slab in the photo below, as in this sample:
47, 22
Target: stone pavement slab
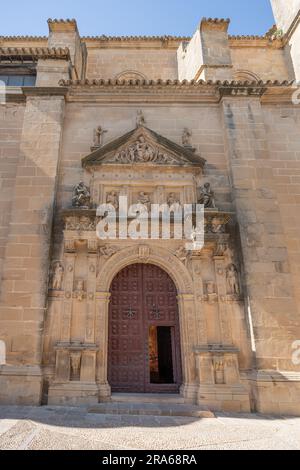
66, 428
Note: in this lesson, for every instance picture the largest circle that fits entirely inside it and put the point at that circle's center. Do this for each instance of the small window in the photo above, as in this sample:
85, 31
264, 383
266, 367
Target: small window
29, 80
18, 80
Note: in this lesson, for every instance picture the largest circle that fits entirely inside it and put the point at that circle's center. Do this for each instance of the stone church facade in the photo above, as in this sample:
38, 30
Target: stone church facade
212, 119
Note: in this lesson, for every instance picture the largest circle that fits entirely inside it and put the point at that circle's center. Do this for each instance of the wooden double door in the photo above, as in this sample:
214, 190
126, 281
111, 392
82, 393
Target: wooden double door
144, 337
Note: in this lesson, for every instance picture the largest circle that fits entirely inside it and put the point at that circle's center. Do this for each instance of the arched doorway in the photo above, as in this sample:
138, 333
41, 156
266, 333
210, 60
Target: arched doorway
144, 337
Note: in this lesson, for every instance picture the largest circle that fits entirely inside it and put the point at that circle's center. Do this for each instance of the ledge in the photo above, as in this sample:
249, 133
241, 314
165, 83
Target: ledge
32, 54
274, 376
44, 91
215, 348
172, 83
24, 371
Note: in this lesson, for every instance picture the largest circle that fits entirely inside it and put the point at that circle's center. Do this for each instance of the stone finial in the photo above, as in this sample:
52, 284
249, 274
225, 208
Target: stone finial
98, 136
186, 137
140, 119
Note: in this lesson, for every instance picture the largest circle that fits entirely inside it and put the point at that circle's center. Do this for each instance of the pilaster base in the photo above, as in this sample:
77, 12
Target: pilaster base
104, 392
73, 394
189, 392
234, 398
20, 385
276, 392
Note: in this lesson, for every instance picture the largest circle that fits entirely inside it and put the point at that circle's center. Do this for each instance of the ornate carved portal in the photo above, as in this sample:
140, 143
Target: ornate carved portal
144, 338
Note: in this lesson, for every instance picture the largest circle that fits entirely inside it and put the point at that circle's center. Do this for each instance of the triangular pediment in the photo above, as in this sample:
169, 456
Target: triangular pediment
143, 146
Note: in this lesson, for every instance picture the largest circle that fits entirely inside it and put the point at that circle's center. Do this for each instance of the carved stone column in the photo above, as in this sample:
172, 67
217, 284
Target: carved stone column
188, 329
70, 257
91, 291
102, 304
199, 304
224, 315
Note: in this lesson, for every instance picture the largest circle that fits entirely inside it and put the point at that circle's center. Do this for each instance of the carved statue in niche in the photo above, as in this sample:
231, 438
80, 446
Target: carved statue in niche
98, 136
144, 199
57, 276
173, 201
75, 362
140, 118
233, 280
79, 292
81, 196
186, 137
207, 196
107, 251
113, 199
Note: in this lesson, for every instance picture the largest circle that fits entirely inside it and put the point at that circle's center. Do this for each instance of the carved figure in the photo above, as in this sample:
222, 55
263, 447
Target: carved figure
207, 196
140, 119
233, 280
81, 196
107, 251
98, 136
57, 276
113, 199
144, 199
173, 201
181, 254
80, 291
186, 137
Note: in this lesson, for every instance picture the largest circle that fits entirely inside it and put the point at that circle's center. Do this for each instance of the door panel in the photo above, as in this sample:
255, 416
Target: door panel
141, 296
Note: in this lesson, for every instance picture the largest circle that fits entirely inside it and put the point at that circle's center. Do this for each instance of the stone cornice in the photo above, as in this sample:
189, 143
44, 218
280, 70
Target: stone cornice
44, 91
32, 54
255, 42
172, 83
162, 91
132, 42
150, 42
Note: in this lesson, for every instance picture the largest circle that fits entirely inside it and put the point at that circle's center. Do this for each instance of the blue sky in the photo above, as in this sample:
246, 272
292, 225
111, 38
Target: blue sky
134, 17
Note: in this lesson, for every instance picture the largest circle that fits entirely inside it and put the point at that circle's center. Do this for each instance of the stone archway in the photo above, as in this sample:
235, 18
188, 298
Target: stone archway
144, 333
178, 272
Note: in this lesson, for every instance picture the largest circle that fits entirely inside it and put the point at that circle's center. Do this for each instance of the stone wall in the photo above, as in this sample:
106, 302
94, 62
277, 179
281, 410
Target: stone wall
153, 63
284, 147
266, 63
11, 123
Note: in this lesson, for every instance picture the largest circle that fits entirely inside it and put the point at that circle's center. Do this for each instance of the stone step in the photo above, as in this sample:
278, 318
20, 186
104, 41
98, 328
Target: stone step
147, 398
151, 409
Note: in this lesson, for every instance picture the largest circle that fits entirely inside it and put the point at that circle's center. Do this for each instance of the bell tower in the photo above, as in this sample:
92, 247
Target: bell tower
287, 17
285, 13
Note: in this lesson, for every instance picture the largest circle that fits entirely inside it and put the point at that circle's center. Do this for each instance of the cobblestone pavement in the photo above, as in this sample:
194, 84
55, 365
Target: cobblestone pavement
36, 428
